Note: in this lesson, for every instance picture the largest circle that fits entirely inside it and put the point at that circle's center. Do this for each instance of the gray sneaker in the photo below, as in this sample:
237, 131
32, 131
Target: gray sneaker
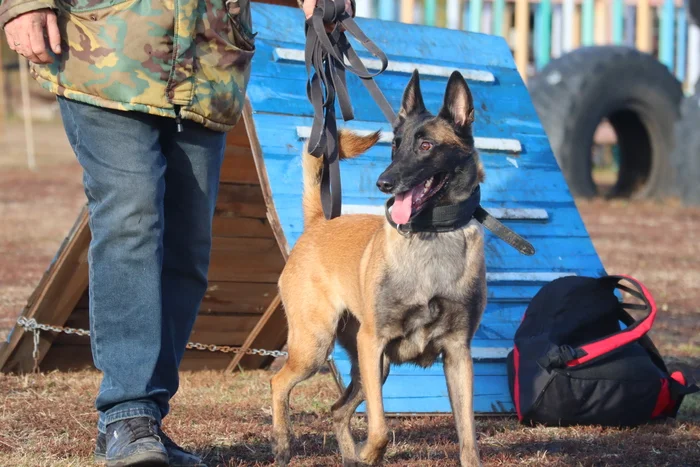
133, 442
177, 456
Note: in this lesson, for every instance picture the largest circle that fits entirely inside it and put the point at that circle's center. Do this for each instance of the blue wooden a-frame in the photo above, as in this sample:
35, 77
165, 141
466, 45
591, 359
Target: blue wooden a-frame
524, 186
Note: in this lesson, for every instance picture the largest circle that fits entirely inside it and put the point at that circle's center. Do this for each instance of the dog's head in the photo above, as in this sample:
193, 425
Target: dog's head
433, 159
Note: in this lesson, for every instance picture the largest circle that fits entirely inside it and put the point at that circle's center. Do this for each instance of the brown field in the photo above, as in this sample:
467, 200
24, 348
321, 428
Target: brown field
48, 419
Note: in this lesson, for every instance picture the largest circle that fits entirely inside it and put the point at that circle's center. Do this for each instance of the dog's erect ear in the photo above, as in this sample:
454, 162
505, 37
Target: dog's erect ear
458, 107
412, 102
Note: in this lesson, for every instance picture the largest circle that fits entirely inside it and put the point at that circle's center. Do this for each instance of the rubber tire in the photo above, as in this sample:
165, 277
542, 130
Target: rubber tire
638, 94
686, 155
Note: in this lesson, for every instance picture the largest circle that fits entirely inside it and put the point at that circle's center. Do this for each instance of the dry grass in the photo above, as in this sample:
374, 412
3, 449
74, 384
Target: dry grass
49, 419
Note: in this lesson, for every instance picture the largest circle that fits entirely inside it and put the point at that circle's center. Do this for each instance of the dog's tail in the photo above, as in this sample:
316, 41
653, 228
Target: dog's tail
350, 145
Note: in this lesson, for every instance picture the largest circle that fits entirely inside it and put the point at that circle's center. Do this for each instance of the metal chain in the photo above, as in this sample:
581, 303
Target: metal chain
31, 325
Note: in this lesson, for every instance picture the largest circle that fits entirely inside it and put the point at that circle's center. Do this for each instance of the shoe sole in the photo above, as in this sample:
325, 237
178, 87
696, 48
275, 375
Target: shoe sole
145, 459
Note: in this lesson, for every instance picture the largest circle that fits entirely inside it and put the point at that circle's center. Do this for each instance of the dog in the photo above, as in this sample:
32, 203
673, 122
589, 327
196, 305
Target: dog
389, 297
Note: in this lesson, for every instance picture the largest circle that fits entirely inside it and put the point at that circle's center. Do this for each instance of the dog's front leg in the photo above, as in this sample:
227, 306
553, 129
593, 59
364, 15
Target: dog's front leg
459, 371
370, 349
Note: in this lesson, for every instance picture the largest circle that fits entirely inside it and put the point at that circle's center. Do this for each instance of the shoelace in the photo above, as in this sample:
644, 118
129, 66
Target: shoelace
138, 429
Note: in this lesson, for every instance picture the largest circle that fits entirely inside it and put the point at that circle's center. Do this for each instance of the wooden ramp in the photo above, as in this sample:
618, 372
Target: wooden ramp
258, 216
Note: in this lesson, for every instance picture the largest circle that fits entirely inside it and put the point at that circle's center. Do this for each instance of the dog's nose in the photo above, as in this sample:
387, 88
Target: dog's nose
385, 185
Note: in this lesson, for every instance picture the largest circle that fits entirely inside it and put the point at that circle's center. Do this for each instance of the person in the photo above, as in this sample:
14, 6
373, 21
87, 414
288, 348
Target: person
147, 91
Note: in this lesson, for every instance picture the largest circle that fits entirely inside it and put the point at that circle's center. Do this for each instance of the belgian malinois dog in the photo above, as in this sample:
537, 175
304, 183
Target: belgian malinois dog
386, 296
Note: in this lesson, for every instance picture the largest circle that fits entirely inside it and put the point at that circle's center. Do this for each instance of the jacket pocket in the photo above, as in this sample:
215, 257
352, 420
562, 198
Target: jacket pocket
241, 22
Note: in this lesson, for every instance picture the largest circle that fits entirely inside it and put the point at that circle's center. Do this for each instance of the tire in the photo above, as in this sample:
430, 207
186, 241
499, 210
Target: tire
635, 92
686, 154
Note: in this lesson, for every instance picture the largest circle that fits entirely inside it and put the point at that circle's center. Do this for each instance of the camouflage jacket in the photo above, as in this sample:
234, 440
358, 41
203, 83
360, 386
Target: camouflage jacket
165, 57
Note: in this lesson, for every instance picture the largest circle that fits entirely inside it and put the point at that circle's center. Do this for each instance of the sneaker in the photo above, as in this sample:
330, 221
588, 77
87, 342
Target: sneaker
177, 456
133, 442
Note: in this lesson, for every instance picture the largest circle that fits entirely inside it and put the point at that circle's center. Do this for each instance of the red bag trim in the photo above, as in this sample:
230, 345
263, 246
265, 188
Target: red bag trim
663, 401
624, 337
516, 384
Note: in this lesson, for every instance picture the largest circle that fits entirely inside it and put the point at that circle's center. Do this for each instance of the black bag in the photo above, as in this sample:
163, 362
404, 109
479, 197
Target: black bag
572, 363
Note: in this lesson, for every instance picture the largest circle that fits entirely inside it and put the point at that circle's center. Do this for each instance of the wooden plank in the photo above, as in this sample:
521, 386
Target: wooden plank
364, 8
482, 143
557, 31
201, 360
487, 19
237, 297
587, 24
601, 22
681, 42
475, 7
240, 200
522, 31
617, 20
59, 290
238, 166
453, 13
429, 14
255, 332
693, 55
667, 34
644, 26
223, 330
576, 28
271, 212
543, 34
387, 10
498, 26
407, 7
68, 357
231, 226
568, 7
286, 55
245, 260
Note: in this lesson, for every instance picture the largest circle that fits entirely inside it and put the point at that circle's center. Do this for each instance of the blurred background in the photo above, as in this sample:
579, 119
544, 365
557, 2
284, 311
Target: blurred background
614, 83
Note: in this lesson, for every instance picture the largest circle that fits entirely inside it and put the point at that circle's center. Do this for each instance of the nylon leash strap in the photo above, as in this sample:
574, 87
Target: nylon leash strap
328, 55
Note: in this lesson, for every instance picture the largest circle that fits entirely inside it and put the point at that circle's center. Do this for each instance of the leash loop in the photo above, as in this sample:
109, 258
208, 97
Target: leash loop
325, 56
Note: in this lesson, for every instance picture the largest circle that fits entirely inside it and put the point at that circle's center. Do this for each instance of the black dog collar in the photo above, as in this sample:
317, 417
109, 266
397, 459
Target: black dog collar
454, 217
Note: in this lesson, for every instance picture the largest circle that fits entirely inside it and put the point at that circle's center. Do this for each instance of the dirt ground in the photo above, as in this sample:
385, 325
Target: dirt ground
48, 419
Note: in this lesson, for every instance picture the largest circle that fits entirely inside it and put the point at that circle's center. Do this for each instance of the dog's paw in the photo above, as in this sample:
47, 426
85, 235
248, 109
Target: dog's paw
281, 450
470, 461
369, 454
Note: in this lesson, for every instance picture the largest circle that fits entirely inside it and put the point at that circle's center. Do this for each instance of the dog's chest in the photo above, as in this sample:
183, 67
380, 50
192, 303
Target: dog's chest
418, 299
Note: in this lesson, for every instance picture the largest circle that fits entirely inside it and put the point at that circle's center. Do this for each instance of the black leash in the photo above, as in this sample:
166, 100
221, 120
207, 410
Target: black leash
325, 55
455, 216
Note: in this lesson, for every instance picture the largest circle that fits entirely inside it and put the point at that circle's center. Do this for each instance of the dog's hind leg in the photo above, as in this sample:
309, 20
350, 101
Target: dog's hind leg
308, 345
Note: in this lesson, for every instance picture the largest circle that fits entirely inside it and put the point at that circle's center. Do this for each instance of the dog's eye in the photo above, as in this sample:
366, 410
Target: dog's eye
395, 143
426, 146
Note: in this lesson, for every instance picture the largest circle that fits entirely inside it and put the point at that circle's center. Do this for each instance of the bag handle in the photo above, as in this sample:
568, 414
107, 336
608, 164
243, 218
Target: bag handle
568, 356
633, 332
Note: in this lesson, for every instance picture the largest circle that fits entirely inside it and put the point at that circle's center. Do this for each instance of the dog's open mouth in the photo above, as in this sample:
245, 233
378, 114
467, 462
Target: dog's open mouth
409, 203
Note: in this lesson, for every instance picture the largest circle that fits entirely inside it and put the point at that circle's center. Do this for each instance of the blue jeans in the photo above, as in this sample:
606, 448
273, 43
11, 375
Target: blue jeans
151, 196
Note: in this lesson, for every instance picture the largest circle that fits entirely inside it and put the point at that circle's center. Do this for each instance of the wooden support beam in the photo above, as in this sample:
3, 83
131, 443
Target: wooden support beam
54, 299
255, 332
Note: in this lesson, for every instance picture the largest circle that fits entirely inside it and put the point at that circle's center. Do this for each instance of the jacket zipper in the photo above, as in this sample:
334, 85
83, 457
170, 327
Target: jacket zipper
178, 119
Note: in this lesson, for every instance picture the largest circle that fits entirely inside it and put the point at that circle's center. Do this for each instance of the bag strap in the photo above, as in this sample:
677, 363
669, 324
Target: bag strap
325, 56
566, 355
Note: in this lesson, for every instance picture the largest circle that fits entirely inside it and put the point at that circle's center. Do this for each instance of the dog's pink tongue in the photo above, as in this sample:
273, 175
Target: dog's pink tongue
403, 204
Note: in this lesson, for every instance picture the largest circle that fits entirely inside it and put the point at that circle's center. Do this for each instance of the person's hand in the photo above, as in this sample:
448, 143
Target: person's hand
310, 5
27, 35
